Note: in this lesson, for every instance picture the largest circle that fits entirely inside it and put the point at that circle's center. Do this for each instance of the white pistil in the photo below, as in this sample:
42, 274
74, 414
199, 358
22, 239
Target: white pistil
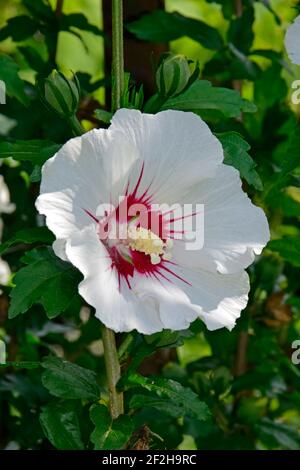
155, 259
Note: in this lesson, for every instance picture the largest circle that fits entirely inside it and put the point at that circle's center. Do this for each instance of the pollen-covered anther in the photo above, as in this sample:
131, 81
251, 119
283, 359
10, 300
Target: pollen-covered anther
145, 241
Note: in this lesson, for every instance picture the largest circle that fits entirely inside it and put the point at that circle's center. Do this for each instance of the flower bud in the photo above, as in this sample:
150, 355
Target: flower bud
172, 75
60, 94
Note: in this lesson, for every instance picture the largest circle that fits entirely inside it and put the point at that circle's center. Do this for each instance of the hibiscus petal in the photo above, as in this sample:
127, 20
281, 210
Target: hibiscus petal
174, 306
234, 228
177, 149
6, 207
83, 174
223, 297
218, 299
292, 41
119, 309
4, 272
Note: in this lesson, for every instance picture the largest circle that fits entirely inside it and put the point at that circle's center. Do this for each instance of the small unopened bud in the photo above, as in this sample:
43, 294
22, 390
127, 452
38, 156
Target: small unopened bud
173, 74
60, 94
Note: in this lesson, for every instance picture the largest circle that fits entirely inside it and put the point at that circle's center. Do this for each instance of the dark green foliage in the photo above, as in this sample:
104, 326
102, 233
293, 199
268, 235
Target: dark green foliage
9, 74
19, 28
288, 248
168, 396
236, 154
161, 26
46, 280
66, 380
109, 434
34, 151
32, 235
203, 96
60, 423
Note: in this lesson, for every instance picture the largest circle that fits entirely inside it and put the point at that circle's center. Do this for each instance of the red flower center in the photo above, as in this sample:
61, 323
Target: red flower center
138, 239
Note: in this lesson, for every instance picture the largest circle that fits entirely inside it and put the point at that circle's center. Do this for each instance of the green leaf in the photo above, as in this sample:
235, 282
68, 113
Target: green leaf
132, 97
103, 116
28, 236
78, 20
228, 7
248, 106
35, 151
144, 346
166, 339
169, 396
291, 157
281, 433
241, 67
21, 364
161, 26
46, 280
66, 380
288, 205
34, 60
36, 174
201, 95
109, 434
275, 57
288, 248
9, 74
236, 155
40, 9
19, 28
240, 32
270, 88
267, 4
288, 162
60, 424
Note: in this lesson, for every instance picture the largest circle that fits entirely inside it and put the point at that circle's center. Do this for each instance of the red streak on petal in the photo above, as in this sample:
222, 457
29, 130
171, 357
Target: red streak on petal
181, 232
134, 192
124, 269
161, 275
149, 197
183, 217
151, 219
174, 274
91, 215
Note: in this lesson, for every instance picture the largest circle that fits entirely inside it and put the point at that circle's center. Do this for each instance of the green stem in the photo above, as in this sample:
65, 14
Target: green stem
113, 372
117, 54
125, 345
238, 7
59, 8
53, 44
75, 125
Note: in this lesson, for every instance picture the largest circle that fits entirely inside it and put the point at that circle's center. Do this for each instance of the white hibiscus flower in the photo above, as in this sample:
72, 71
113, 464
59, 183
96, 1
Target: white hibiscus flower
6, 207
292, 41
150, 280
4, 273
